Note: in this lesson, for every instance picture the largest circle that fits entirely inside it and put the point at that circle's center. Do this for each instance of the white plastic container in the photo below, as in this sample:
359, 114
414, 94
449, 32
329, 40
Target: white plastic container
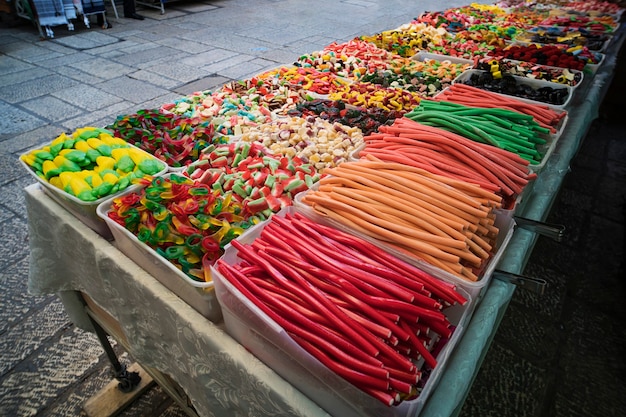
534, 84
262, 336
199, 295
547, 67
85, 211
475, 289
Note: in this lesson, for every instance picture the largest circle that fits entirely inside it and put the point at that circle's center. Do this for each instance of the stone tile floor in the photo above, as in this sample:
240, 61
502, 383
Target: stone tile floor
561, 354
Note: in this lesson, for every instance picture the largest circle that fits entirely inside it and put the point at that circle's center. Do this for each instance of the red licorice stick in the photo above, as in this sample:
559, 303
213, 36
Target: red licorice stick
325, 340
329, 248
400, 386
344, 289
442, 289
285, 266
385, 396
308, 293
340, 247
310, 257
419, 346
297, 304
357, 378
392, 279
385, 349
315, 253
428, 158
408, 377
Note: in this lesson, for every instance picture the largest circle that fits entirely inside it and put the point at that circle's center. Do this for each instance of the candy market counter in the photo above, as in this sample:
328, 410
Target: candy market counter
219, 376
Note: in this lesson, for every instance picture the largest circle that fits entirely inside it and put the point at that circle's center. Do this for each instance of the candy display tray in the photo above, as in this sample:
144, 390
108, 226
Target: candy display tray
539, 66
475, 289
85, 211
526, 38
262, 336
535, 84
199, 295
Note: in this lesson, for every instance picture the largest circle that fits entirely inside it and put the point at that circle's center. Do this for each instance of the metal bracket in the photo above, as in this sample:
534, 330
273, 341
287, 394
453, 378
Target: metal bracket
536, 285
553, 231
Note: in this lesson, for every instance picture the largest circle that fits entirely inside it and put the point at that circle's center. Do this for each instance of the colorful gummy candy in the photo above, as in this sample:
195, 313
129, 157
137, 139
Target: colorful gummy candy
174, 139
426, 77
91, 163
273, 95
408, 39
308, 78
373, 95
368, 120
313, 140
182, 220
501, 66
348, 58
261, 182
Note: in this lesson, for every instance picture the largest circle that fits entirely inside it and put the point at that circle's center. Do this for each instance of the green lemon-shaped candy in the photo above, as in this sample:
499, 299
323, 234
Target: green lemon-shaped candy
125, 164
150, 166
102, 190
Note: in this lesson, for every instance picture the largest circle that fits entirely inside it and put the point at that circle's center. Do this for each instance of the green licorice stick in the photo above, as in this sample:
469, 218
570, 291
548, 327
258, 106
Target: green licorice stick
448, 125
468, 110
488, 130
456, 124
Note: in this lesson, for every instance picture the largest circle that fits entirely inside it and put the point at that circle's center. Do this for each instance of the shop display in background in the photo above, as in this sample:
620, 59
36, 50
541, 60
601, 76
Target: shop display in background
46, 14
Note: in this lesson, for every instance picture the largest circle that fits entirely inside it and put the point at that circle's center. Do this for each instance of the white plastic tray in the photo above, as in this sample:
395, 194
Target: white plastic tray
573, 87
85, 211
474, 288
199, 295
535, 84
262, 336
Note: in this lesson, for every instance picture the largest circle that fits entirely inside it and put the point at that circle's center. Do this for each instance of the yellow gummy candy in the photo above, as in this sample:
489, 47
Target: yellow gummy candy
78, 185
94, 143
136, 155
112, 140
95, 179
117, 153
110, 178
65, 177
82, 145
56, 181
105, 162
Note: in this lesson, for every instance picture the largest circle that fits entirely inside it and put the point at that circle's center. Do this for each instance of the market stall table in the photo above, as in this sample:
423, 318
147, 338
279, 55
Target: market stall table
219, 376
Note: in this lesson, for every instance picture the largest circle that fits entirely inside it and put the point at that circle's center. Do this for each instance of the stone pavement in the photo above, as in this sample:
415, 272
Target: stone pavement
560, 354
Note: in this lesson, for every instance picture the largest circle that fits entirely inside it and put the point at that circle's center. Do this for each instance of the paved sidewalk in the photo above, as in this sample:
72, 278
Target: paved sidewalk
556, 355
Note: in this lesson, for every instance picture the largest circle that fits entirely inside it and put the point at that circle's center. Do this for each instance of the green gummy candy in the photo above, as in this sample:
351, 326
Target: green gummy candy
76, 156
92, 155
149, 166
56, 148
125, 164
69, 143
70, 166
104, 150
88, 134
53, 173
102, 190
123, 183
86, 196
43, 155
